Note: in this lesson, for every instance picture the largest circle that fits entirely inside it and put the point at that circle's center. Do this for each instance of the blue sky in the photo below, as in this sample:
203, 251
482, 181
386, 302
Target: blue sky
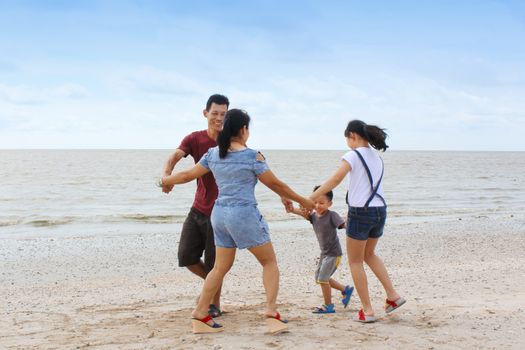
439, 75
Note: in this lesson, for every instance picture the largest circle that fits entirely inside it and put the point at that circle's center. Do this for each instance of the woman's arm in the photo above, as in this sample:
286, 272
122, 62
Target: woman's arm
333, 181
184, 176
273, 183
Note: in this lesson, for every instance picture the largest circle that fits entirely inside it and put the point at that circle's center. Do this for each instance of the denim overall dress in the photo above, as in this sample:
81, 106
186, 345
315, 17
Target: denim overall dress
367, 222
235, 218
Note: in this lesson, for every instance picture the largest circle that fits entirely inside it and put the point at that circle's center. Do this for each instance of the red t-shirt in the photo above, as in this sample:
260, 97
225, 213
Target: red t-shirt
197, 144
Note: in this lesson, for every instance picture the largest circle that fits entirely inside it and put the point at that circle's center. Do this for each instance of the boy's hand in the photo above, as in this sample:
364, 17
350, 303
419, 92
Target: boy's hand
288, 204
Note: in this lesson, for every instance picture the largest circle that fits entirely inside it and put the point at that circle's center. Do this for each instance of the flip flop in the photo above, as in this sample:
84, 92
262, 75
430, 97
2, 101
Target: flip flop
392, 305
347, 294
276, 325
324, 309
361, 317
201, 326
214, 311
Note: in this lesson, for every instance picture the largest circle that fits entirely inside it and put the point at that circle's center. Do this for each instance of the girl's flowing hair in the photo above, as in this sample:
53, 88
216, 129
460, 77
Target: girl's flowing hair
234, 121
372, 133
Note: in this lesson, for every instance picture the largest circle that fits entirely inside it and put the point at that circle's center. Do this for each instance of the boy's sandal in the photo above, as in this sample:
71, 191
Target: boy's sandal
324, 309
392, 305
276, 325
361, 317
201, 325
347, 294
214, 311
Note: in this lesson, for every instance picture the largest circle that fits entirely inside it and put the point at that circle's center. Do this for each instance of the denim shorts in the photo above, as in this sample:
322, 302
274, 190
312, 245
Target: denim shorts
364, 223
240, 226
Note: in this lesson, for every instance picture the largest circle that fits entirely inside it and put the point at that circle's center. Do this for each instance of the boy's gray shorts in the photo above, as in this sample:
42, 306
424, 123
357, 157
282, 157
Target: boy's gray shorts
326, 268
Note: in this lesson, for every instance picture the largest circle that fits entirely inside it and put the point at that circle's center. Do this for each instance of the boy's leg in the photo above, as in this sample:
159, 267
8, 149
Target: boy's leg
327, 293
336, 285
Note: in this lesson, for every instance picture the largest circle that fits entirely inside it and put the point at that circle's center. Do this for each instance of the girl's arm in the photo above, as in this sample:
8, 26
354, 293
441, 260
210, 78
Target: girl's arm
333, 181
184, 176
273, 183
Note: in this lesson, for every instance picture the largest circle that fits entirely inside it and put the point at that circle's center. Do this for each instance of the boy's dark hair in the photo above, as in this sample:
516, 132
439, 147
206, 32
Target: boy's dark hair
218, 100
329, 194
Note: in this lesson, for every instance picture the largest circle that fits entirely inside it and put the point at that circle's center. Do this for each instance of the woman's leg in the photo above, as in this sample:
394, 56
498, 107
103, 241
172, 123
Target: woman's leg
379, 269
356, 254
266, 257
224, 258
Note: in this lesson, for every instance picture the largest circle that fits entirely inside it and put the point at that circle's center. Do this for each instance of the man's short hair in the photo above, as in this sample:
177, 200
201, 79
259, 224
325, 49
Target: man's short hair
218, 100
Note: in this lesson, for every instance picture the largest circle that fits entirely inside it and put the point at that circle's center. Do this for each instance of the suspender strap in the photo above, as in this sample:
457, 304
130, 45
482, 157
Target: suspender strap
372, 189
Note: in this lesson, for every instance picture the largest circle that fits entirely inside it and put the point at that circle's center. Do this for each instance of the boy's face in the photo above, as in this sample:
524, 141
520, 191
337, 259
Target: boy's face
215, 116
322, 204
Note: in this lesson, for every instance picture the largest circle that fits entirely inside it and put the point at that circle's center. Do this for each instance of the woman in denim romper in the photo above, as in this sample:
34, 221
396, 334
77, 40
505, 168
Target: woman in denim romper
236, 221
366, 212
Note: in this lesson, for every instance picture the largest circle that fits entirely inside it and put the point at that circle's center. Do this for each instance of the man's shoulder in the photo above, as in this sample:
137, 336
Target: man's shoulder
197, 134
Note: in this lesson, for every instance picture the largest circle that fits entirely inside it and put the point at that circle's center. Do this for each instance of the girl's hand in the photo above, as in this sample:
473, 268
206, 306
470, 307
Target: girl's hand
307, 204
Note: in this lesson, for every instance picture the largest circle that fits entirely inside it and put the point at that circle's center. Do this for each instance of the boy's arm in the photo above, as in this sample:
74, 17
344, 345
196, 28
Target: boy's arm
299, 212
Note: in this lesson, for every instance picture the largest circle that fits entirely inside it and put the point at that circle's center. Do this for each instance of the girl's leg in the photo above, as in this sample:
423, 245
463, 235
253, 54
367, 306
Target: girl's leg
356, 255
223, 262
379, 269
266, 257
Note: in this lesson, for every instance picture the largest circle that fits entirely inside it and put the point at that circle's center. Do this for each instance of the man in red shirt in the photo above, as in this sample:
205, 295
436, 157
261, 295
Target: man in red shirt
197, 234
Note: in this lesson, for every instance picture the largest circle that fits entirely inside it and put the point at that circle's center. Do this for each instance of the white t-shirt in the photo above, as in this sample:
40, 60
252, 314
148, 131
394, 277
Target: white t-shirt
358, 184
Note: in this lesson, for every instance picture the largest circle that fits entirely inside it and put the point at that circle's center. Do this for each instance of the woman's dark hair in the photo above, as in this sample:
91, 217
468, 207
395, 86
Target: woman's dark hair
234, 121
372, 133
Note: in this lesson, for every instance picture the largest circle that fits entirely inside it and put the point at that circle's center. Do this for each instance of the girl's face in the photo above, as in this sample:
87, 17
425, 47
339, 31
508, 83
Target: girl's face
350, 140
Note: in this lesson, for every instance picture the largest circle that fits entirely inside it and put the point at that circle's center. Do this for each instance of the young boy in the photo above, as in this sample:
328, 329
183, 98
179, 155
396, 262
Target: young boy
325, 223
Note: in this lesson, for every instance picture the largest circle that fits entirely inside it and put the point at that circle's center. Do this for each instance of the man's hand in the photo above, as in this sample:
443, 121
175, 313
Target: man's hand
167, 188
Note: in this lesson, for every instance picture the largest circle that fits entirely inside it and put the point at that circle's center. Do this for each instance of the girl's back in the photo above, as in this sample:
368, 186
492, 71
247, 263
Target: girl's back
358, 183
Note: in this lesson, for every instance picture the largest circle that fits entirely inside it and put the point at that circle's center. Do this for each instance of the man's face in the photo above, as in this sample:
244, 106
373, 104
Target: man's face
215, 116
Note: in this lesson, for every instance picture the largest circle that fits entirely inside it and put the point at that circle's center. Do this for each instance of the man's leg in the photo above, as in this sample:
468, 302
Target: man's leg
191, 245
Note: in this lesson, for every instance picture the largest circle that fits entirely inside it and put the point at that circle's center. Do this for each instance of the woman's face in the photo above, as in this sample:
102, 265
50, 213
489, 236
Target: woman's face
245, 133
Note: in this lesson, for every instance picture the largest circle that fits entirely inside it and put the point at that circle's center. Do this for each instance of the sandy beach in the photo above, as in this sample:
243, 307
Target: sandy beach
463, 281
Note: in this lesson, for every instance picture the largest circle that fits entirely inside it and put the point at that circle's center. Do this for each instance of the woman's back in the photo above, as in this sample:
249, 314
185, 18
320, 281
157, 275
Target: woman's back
235, 175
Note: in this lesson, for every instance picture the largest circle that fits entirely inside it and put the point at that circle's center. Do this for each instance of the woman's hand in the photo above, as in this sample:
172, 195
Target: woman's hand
307, 204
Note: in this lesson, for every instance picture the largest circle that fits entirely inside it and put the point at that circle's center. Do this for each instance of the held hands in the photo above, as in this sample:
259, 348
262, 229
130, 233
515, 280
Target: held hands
288, 204
165, 188
306, 206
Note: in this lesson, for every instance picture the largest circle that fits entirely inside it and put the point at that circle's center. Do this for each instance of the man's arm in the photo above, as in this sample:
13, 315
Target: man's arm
170, 165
